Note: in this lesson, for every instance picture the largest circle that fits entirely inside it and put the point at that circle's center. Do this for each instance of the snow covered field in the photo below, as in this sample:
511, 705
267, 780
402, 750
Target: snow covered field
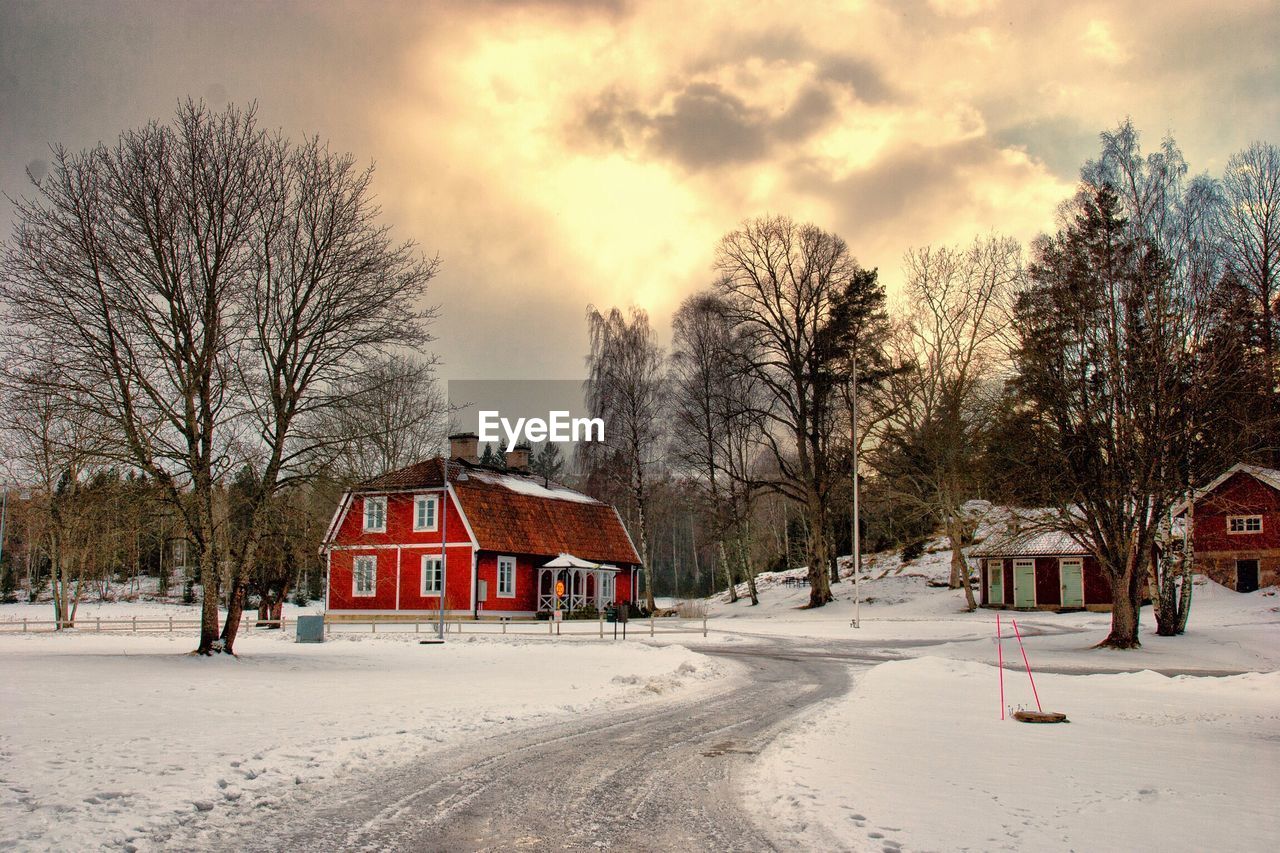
118, 740
916, 757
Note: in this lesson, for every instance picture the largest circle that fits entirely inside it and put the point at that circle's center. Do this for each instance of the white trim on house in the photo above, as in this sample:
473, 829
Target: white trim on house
432, 521
383, 546
335, 523
371, 501
514, 563
356, 573
462, 514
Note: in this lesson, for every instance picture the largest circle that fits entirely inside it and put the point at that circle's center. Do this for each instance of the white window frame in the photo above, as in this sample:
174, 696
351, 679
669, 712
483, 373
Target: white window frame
372, 561
432, 501
370, 503
511, 561
432, 591
1244, 521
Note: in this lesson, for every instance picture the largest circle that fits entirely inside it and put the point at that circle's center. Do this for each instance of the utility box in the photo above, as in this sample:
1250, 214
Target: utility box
310, 629
482, 591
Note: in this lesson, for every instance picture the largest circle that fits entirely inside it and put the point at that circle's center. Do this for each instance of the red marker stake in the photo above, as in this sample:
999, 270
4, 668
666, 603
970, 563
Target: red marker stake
1028, 664
1000, 664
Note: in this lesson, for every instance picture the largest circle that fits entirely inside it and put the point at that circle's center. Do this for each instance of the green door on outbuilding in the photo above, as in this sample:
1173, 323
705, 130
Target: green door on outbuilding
1024, 583
1071, 572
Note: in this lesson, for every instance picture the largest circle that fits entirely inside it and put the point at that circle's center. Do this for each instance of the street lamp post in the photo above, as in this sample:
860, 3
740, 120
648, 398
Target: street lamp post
857, 549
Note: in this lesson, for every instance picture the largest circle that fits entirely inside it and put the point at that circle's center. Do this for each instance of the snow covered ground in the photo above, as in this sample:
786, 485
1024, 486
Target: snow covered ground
916, 757
117, 740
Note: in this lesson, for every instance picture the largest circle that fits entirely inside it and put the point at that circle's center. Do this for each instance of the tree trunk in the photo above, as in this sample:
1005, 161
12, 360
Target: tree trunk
819, 588
744, 556
1126, 608
960, 566
728, 575
208, 573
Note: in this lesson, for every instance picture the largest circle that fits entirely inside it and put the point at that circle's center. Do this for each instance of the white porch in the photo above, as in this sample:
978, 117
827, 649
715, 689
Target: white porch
569, 583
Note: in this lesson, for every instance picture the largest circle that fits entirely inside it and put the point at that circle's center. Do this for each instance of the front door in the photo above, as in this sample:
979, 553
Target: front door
1071, 572
1024, 583
1246, 575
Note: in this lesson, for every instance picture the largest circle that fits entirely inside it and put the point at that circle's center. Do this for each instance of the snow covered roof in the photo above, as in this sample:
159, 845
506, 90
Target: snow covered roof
1030, 543
518, 513
1269, 476
568, 561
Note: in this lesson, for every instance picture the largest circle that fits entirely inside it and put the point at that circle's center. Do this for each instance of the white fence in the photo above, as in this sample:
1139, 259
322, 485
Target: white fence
588, 628
133, 624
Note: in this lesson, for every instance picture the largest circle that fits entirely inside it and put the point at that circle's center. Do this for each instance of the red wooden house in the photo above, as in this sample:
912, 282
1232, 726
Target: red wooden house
1040, 570
1236, 530
499, 542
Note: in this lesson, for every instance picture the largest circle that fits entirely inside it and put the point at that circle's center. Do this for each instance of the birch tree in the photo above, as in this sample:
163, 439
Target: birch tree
625, 371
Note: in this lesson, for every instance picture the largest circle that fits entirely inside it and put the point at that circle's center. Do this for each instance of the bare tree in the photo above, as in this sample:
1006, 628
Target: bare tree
624, 388
391, 416
716, 404
1250, 228
934, 412
199, 289
793, 291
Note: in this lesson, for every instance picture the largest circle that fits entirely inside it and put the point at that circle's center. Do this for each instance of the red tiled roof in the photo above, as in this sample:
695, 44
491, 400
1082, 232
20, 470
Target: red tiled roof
522, 513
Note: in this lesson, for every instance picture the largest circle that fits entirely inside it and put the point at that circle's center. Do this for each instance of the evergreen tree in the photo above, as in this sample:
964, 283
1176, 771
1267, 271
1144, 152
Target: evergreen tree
547, 462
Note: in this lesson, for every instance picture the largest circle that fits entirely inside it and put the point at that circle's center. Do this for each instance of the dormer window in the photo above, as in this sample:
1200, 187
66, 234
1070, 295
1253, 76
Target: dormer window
1244, 524
375, 515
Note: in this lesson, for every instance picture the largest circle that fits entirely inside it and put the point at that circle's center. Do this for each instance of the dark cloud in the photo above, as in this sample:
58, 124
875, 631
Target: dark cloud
866, 81
708, 126
912, 185
1062, 143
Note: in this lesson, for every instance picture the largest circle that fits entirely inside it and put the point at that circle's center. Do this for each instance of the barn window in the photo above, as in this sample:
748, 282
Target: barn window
375, 515
364, 576
507, 577
1244, 524
431, 575
424, 512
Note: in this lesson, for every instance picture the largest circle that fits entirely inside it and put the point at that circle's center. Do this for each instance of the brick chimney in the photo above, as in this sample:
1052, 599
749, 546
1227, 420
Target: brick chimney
464, 446
518, 459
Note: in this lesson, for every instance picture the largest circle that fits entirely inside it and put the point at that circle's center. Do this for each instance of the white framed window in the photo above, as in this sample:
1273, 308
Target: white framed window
431, 575
424, 512
1244, 524
364, 575
375, 515
507, 577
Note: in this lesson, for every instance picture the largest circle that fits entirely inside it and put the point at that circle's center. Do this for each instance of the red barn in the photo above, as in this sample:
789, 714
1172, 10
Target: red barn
1236, 533
1040, 570
500, 542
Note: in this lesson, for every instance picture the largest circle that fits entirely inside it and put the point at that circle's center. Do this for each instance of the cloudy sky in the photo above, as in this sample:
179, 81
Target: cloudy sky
557, 154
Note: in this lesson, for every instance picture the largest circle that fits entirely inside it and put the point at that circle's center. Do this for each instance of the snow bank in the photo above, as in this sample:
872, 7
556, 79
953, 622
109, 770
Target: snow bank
118, 740
916, 757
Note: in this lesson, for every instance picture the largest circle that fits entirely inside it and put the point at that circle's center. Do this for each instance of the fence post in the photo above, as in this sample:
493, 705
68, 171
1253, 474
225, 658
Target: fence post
551, 628
373, 627
283, 621
602, 624
417, 627
650, 623
170, 623
24, 624
99, 621
704, 623
135, 624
